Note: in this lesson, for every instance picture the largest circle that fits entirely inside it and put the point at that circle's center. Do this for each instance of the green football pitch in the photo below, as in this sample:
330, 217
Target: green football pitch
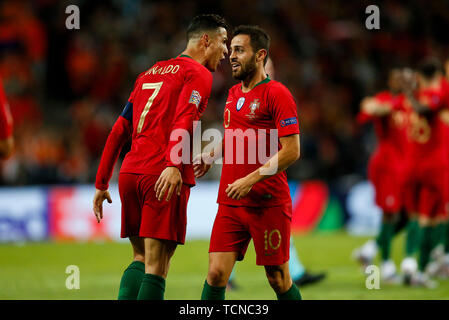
38, 271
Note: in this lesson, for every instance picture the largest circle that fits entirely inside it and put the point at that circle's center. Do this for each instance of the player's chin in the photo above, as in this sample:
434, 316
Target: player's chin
236, 74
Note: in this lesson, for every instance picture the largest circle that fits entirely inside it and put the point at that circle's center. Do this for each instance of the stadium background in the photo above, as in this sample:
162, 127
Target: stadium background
67, 87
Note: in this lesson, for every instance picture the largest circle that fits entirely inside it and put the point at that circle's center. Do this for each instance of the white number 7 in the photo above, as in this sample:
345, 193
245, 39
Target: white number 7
156, 87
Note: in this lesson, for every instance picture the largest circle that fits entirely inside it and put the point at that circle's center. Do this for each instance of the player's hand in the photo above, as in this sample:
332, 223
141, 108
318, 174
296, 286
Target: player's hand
99, 197
201, 164
239, 188
169, 181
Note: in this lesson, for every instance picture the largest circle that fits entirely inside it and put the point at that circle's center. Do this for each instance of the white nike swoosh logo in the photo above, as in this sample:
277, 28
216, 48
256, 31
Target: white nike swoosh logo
228, 102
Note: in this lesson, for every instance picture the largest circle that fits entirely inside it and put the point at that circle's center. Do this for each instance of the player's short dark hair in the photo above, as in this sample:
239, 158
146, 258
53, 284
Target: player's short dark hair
259, 38
429, 67
203, 23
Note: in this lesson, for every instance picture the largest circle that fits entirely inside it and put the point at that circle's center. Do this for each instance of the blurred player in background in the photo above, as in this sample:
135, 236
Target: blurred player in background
6, 124
254, 198
154, 182
300, 275
426, 185
385, 171
444, 114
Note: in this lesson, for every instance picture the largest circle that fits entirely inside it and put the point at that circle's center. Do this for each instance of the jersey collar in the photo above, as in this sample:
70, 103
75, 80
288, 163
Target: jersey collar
185, 56
266, 80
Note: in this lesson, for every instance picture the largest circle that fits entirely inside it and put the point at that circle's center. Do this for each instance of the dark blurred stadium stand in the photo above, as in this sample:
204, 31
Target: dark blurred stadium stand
67, 87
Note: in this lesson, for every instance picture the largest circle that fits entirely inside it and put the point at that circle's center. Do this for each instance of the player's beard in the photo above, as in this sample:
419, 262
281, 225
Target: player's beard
247, 69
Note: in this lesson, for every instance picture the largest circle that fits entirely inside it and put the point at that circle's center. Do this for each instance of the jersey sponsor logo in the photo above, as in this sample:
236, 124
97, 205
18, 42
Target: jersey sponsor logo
195, 98
289, 121
240, 103
255, 105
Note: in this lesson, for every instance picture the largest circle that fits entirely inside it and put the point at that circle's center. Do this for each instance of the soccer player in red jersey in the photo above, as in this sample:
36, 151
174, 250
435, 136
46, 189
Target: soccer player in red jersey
254, 198
386, 112
154, 180
445, 118
427, 161
6, 125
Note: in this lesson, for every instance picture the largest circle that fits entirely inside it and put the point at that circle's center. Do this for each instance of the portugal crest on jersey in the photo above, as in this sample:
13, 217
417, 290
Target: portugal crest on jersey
255, 104
240, 103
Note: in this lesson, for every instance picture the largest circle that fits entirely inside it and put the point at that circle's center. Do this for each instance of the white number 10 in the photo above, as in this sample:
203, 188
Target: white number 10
156, 87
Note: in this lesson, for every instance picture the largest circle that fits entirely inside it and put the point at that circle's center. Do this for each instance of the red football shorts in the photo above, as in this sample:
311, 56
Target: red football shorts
387, 181
144, 216
269, 227
426, 191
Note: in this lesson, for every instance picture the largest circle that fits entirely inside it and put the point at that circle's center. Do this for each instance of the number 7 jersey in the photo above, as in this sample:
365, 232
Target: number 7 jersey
166, 99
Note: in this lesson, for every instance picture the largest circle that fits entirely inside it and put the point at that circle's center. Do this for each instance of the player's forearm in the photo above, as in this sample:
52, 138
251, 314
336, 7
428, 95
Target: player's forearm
117, 138
278, 163
374, 108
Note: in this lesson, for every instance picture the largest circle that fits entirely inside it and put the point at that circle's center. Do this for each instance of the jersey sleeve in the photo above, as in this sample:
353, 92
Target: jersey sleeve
191, 103
120, 133
6, 122
282, 106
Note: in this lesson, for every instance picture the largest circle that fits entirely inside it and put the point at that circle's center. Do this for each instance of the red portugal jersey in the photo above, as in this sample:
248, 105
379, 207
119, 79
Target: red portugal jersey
166, 99
426, 132
251, 120
390, 129
5, 116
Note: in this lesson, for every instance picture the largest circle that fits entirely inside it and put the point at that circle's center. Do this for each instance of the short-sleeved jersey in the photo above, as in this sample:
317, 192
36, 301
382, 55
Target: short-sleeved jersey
426, 132
390, 129
5, 115
444, 115
166, 99
251, 120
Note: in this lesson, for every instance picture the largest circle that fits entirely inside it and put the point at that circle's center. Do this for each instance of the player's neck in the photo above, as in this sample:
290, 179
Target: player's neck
249, 83
196, 55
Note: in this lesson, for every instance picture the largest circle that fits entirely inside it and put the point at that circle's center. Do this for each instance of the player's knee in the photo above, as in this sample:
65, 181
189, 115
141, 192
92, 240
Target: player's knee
216, 277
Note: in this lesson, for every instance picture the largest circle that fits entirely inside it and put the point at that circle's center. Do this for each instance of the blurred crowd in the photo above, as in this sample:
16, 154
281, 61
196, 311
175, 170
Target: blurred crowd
67, 87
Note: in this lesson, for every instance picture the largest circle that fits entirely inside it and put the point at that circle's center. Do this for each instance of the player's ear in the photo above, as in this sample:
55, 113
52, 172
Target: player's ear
261, 54
205, 40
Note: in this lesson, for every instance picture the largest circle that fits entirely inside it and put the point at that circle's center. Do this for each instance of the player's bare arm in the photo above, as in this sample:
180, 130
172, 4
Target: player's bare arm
285, 157
120, 133
371, 106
